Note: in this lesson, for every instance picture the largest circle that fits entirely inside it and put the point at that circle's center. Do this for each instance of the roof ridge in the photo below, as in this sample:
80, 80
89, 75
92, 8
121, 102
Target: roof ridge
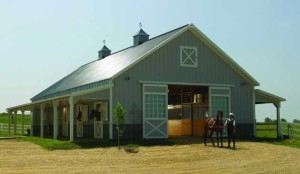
138, 45
168, 32
151, 38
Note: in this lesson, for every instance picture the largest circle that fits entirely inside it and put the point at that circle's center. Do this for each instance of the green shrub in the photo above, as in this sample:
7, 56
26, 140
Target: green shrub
51, 144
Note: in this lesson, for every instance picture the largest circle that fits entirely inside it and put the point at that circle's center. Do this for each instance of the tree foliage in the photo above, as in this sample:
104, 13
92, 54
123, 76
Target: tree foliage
119, 117
296, 121
283, 120
268, 120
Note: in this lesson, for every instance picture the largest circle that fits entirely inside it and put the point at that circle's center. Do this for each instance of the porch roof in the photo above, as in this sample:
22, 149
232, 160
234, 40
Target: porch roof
262, 97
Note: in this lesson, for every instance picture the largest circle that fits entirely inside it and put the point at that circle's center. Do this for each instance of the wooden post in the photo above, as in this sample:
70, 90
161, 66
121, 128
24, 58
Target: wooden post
55, 126
31, 122
42, 107
279, 135
71, 103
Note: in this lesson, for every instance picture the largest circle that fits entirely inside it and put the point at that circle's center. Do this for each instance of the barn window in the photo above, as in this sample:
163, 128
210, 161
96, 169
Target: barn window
220, 100
188, 56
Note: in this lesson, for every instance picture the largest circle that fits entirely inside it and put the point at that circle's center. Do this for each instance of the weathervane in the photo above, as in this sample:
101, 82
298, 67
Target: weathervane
104, 42
140, 25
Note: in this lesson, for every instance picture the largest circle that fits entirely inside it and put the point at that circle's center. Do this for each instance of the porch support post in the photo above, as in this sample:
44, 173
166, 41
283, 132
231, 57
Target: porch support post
110, 114
22, 122
279, 135
55, 120
31, 122
71, 103
15, 122
42, 107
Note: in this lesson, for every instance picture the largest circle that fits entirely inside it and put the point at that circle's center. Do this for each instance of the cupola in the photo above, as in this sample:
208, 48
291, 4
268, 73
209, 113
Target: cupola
140, 37
104, 52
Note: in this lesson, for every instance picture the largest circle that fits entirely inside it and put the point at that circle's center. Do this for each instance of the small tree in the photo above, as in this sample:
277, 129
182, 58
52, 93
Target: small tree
268, 120
120, 118
283, 120
296, 121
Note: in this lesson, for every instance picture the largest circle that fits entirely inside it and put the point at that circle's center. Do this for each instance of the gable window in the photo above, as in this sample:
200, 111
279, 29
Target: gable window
188, 56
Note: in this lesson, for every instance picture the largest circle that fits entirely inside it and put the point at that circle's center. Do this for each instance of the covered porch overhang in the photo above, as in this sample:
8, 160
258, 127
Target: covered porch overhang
263, 97
54, 103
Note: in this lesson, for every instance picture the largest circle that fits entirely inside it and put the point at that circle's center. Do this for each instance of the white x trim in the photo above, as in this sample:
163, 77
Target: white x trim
188, 57
155, 128
98, 128
185, 56
79, 129
65, 128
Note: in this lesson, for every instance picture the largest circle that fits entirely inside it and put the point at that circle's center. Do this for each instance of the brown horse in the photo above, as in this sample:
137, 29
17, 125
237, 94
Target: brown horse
214, 125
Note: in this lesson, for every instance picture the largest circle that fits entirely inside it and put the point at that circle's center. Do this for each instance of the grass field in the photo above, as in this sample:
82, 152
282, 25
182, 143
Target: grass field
4, 118
268, 134
270, 131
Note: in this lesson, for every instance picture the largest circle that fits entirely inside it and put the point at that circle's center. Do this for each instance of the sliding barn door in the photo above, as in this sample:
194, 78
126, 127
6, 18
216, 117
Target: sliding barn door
155, 120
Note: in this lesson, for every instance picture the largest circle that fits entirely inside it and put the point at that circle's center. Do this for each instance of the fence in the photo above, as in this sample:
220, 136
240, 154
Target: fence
4, 129
292, 129
270, 129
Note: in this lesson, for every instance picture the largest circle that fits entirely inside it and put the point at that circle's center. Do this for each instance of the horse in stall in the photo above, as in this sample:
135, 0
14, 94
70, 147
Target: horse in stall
95, 114
214, 125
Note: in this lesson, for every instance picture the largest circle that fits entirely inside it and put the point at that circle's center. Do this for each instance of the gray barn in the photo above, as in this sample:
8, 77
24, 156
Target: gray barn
168, 84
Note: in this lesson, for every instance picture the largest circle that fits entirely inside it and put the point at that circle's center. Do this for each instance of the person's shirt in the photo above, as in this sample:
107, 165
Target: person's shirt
230, 120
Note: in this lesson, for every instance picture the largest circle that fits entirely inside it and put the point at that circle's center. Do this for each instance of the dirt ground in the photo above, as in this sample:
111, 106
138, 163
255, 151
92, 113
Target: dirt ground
249, 157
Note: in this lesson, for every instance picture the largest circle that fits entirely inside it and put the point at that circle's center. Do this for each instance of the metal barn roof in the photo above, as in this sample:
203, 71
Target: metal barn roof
101, 72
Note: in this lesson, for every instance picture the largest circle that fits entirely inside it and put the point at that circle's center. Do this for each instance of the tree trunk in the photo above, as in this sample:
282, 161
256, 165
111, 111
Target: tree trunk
119, 139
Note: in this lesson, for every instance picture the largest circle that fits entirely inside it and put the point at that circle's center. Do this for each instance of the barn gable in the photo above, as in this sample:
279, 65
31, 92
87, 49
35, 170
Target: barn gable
174, 64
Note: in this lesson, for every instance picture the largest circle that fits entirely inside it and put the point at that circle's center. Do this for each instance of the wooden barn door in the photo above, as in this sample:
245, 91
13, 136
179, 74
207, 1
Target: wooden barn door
155, 111
65, 125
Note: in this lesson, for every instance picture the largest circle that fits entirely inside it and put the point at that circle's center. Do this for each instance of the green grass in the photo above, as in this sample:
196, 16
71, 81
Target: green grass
268, 133
4, 118
123, 143
51, 144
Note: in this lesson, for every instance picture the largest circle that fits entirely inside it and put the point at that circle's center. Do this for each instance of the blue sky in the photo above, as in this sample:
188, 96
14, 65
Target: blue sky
42, 41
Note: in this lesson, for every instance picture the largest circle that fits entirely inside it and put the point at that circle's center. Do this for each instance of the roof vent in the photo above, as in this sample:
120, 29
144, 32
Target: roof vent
140, 37
104, 52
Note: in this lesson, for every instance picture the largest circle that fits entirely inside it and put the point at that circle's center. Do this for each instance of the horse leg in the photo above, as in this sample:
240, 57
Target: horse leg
217, 138
204, 137
221, 133
205, 134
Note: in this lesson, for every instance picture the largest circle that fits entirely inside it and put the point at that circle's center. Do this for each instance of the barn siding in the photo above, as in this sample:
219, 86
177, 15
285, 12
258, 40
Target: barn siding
164, 66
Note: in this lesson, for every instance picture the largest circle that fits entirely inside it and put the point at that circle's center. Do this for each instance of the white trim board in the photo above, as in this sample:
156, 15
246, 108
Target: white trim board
186, 83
